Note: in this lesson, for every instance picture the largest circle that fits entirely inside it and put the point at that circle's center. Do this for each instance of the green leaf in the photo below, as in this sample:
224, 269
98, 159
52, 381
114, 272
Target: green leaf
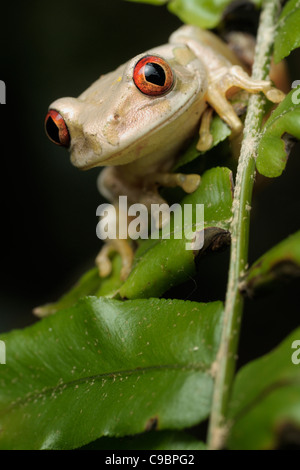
266, 397
273, 148
108, 368
89, 284
287, 37
153, 440
203, 13
219, 130
282, 262
156, 268
109, 285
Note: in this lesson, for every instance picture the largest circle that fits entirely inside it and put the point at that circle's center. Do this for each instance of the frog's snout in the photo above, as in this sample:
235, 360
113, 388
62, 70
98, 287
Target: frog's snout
56, 128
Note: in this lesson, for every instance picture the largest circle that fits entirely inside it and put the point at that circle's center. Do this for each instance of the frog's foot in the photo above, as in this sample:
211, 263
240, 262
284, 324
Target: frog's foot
189, 183
235, 76
103, 261
239, 78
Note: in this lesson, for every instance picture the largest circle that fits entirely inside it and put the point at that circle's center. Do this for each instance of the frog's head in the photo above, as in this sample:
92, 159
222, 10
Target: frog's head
121, 115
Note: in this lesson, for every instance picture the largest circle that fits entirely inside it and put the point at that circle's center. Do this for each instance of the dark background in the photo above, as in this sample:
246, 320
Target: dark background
48, 211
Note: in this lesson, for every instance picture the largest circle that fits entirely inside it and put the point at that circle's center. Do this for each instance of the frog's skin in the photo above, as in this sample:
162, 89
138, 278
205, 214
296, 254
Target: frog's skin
137, 136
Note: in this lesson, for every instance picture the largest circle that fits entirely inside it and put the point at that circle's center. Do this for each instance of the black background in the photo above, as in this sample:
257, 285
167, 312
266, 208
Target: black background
48, 207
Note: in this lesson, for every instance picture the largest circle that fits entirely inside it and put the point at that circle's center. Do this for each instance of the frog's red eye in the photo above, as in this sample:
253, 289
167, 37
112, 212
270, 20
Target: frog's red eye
153, 75
56, 128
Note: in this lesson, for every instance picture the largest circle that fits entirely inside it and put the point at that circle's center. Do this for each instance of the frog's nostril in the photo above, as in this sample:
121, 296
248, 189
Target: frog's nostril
56, 128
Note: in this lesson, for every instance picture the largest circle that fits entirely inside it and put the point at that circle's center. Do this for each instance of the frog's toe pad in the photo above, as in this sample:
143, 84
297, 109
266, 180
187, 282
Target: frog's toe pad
275, 95
190, 183
103, 264
205, 142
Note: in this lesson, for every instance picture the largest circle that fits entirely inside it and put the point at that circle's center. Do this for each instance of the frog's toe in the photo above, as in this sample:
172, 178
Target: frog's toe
205, 142
190, 183
275, 95
105, 268
205, 137
103, 262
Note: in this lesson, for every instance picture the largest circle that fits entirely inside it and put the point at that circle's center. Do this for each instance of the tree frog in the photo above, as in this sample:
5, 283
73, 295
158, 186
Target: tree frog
135, 120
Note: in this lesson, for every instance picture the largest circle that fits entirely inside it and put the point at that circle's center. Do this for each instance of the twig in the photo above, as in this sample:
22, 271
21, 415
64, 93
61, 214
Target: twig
226, 359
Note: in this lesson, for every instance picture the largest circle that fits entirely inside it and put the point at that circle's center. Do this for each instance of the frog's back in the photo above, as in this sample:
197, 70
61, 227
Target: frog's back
205, 45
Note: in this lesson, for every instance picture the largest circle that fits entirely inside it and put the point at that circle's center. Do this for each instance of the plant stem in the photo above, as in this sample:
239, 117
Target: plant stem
227, 354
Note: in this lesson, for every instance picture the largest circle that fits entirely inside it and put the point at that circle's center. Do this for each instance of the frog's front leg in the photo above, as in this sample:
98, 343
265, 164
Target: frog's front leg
112, 183
111, 186
235, 76
189, 183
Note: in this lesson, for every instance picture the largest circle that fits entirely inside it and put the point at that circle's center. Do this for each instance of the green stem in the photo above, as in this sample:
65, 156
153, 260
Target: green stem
226, 360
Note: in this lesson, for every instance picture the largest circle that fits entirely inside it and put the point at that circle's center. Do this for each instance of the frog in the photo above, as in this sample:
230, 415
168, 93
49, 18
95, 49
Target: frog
135, 121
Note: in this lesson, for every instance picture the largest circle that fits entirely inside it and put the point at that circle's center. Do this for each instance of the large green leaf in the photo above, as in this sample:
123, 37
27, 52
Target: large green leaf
151, 440
287, 37
266, 397
280, 263
108, 368
273, 147
162, 263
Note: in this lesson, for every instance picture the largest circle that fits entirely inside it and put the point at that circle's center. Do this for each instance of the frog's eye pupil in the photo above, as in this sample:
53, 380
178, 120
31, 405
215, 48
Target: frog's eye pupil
154, 73
56, 128
52, 130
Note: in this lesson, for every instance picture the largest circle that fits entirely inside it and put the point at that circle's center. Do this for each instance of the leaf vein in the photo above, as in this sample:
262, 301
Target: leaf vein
62, 386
